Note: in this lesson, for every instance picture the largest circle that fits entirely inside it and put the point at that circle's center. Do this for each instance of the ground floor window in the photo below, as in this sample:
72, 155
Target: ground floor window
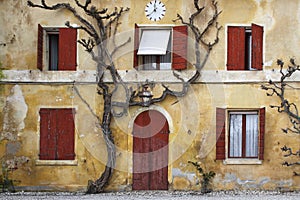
240, 134
57, 134
243, 135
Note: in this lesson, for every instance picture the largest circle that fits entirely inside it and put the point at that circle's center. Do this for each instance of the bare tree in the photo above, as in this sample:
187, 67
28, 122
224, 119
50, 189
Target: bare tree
279, 89
200, 38
105, 26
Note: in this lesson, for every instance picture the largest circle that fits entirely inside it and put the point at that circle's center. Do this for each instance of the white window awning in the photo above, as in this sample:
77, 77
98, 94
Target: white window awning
154, 42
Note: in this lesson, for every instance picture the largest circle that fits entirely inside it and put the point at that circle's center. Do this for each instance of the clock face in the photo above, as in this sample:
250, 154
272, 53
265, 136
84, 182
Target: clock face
155, 10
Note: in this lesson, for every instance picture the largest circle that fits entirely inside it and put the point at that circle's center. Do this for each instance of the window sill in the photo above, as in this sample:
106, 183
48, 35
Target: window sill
56, 162
244, 161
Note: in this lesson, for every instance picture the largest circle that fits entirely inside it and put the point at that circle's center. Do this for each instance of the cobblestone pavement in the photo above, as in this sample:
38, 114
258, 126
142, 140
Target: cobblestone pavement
162, 195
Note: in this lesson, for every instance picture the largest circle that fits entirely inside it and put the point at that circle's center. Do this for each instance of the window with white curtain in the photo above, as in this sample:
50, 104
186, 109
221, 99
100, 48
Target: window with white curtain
155, 49
243, 135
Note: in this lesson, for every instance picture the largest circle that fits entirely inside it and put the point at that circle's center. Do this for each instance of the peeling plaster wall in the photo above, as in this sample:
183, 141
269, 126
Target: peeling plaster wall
193, 117
14, 114
15, 111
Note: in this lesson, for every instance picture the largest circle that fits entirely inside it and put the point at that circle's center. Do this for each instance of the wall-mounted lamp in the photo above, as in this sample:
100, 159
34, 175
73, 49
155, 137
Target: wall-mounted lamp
145, 95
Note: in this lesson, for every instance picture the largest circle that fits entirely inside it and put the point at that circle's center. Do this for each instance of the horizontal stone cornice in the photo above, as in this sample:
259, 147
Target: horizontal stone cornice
134, 76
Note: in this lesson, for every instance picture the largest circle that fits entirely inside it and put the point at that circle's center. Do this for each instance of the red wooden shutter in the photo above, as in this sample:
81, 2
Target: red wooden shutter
40, 48
44, 120
65, 134
257, 47
67, 49
179, 55
136, 46
261, 142
236, 48
47, 135
220, 133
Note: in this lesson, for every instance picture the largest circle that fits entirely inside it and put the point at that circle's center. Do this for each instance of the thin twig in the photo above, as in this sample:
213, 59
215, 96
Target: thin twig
85, 102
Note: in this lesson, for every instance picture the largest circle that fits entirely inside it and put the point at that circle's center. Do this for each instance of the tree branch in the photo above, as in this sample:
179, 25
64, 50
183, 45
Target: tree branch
279, 90
285, 106
290, 151
86, 103
200, 34
67, 6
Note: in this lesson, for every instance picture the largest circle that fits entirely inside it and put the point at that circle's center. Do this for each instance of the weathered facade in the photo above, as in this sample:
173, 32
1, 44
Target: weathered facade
35, 102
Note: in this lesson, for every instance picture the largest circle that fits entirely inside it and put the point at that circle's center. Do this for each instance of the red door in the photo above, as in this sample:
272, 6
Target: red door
150, 151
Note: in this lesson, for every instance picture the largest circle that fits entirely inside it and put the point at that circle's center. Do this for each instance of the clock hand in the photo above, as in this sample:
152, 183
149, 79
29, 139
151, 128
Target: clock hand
154, 10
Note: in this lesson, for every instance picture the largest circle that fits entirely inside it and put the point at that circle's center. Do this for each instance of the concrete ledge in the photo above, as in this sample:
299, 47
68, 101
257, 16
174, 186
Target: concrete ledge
242, 162
56, 162
135, 76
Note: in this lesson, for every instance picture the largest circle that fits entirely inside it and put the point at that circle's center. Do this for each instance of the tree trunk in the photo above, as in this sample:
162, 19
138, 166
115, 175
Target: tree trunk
99, 185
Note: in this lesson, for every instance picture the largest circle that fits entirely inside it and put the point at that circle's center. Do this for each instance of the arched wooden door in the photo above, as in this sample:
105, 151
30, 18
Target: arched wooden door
150, 151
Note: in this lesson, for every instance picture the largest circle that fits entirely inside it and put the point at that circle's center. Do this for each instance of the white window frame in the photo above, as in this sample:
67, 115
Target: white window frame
249, 48
46, 45
166, 66
239, 161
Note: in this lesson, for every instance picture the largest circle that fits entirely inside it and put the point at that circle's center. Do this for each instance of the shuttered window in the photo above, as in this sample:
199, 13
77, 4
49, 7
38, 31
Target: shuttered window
160, 49
245, 137
57, 134
245, 48
57, 49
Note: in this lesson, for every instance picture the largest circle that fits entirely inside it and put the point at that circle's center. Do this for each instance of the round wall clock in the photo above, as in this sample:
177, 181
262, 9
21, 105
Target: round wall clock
155, 10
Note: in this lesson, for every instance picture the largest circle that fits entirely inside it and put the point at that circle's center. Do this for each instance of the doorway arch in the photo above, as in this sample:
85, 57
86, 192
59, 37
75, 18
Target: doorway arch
150, 151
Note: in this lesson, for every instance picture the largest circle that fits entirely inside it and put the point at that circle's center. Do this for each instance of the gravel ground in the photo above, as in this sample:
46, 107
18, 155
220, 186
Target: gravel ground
162, 195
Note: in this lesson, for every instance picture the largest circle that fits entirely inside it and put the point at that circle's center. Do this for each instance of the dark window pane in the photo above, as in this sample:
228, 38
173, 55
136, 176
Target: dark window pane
149, 62
53, 52
248, 50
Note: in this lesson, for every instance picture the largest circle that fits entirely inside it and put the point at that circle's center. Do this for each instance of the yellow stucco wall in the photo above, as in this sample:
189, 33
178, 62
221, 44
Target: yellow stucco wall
191, 118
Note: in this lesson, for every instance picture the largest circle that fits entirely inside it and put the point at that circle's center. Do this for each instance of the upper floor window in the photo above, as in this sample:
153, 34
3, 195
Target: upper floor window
245, 47
155, 49
160, 48
57, 48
